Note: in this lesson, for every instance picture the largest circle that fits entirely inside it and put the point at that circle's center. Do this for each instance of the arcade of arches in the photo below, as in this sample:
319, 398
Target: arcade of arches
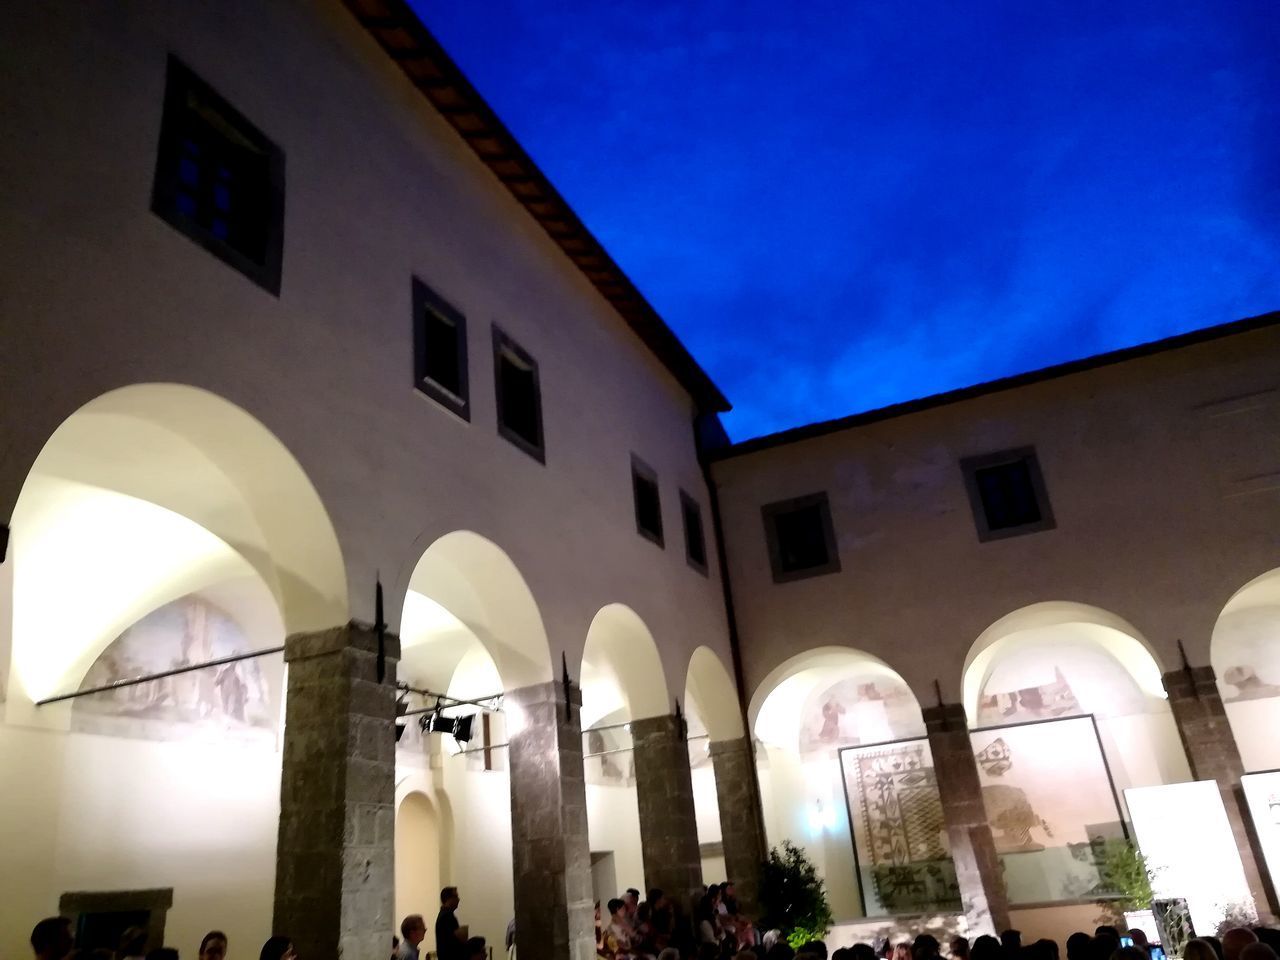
253, 782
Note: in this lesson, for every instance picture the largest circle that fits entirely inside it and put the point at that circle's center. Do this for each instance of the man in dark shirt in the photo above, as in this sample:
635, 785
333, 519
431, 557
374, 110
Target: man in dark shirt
451, 939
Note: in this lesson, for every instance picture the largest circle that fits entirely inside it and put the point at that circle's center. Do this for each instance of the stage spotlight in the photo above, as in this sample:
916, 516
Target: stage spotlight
457, 727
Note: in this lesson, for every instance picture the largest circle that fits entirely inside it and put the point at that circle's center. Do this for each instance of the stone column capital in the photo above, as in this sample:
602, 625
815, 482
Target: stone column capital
552, 691
1191, 683
357, 636
725, 748
945, 718
664, 726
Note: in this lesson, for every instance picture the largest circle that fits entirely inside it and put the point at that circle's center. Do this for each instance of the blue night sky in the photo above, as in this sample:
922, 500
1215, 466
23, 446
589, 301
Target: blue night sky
839, 206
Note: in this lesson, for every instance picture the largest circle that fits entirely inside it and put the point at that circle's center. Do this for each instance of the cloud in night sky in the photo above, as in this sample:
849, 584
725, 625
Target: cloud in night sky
846, 205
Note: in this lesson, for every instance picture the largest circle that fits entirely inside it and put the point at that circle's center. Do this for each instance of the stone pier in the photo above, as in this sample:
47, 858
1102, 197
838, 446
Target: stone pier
1212, 753
335, 856
664, 792
973, 847
551, 856
740, 821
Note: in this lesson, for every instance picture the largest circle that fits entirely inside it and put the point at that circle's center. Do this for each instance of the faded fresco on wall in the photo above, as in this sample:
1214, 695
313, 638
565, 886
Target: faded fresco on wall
607, 757
899, 836
1246, 654
1048, 800
1038, 683
233, 700
858, 710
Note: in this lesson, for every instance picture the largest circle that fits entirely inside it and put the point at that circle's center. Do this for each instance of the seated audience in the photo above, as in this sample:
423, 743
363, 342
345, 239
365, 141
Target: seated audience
1234, 941
1199, 949
278, 948
213, 946
51, 938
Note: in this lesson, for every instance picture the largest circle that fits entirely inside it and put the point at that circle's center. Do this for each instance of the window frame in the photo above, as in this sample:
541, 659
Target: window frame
689, 503
503, 343
770, 511
425, 300
970, 466
641, 472
181, 80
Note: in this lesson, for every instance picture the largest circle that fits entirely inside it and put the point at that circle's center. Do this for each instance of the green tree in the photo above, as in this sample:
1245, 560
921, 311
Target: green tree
793, 897
1124, 878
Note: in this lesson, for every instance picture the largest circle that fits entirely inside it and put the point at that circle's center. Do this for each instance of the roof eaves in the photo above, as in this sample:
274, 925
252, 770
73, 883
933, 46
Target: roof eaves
825, 427
399, 31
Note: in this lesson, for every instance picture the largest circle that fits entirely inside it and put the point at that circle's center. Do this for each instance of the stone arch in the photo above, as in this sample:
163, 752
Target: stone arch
782, 711
709, 693
146, 494
418, 857
1116, 668
621, 669
806, 711
465, 582
1245, 655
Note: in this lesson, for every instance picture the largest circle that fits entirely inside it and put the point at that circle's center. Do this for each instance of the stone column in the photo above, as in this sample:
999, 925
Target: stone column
335, 870
664, 794
741, 824
550, 853
973, 847
1212, 754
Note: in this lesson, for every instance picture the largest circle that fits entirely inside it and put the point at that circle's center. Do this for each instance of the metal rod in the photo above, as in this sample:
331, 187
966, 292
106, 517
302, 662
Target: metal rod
610, 726
496, 746
483, 702
120, 684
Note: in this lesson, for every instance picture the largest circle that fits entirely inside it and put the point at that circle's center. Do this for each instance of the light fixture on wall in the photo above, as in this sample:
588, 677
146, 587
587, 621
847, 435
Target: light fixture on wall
821, 817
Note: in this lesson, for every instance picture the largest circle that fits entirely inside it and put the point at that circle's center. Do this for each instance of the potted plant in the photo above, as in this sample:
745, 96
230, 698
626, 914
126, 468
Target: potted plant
793, 898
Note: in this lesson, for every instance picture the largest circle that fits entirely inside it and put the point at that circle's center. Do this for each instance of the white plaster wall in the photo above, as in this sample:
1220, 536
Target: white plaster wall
791, 788
1142, 750
1157, 470
32, 761
480, 802
1254, 723
706, 805
378, 188
613, 826
85, 812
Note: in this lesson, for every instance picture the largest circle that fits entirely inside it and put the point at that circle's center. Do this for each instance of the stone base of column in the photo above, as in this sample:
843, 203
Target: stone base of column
1213, 754
664, 795
550, 852
973, 847
741, 827
335, 856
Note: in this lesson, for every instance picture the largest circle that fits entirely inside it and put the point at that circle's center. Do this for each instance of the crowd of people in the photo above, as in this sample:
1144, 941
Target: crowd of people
1106, 943
52, 939
658, 928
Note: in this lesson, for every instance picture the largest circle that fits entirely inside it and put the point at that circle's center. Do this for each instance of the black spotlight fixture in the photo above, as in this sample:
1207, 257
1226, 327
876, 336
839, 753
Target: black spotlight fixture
457, 727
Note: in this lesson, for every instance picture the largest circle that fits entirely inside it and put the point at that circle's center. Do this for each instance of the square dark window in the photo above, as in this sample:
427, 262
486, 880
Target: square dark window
644, 487
1007, 493
218, 179
801, 539
695, 541
519, 396
440, 350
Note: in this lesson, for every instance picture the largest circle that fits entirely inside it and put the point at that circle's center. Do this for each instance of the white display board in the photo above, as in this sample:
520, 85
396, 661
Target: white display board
1183, 830
1262, 792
